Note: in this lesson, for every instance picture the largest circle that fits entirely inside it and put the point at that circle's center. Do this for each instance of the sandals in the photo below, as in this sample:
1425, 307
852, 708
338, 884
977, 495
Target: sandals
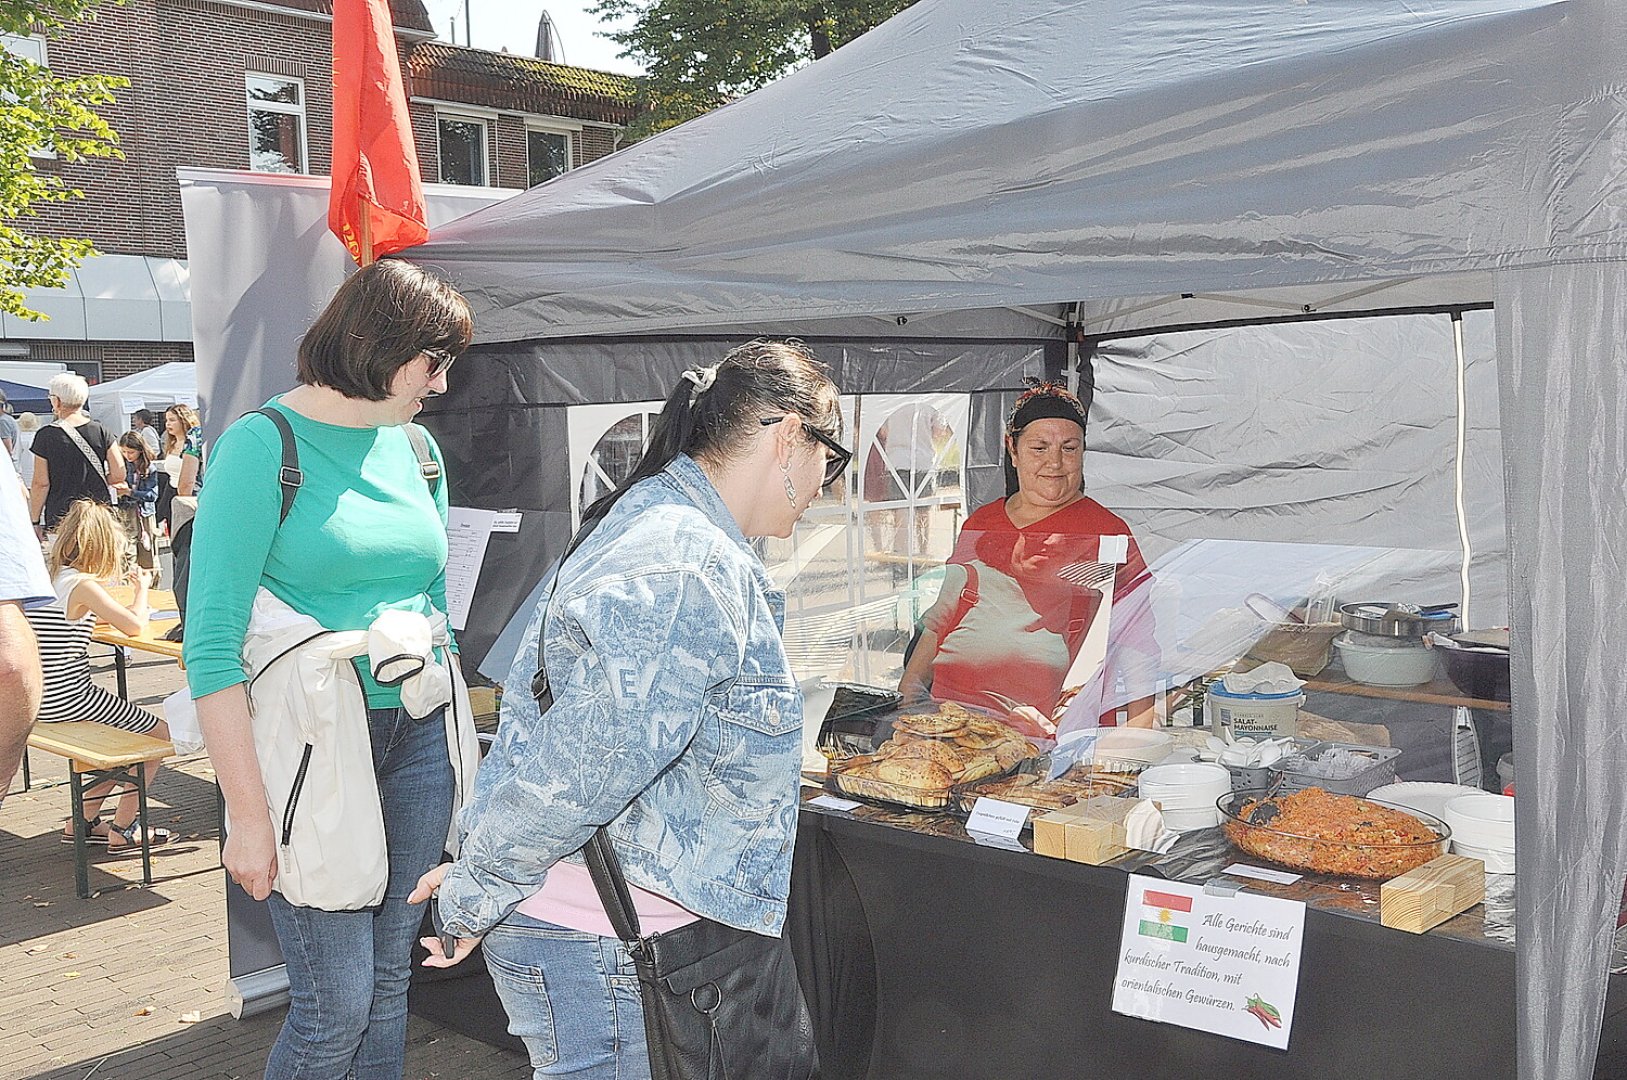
95, 832
131, 834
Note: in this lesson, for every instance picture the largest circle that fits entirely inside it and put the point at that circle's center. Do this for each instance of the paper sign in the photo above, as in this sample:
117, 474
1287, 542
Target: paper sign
993, 817
831, 802
1227, 965
467, 533
1261, 873
505, 521
1115, 550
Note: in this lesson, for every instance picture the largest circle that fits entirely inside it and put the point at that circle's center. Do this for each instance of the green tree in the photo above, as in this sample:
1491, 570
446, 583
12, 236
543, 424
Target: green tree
698, 54
41, 111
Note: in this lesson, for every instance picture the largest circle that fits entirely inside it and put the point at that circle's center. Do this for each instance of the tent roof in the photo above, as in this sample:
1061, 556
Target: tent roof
993, 153
177, 376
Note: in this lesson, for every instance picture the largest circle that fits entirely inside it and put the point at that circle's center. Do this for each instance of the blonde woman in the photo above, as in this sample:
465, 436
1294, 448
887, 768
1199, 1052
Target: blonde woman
90, 548
182, 460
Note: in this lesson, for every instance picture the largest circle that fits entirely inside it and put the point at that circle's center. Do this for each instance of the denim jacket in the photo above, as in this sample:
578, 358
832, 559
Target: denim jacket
675, 719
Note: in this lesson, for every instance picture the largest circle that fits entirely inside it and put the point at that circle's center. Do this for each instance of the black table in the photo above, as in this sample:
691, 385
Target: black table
927, 955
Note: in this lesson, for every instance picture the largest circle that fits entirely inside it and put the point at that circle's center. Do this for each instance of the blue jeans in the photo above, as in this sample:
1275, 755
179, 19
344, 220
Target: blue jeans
348, 970
572, 996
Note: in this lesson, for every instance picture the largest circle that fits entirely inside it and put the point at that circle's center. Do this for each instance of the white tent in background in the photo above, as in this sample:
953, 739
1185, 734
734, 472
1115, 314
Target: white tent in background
111, 403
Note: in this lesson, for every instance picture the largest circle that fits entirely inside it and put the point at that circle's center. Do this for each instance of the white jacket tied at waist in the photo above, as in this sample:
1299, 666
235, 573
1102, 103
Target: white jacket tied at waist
311, 736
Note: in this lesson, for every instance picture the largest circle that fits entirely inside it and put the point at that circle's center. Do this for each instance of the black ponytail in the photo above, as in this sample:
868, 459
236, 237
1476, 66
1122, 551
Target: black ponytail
712, 412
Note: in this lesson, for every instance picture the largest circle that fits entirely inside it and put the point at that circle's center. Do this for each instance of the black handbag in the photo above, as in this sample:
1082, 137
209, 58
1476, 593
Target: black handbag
719, 1003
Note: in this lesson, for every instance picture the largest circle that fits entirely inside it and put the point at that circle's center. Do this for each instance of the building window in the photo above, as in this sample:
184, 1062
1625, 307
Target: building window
462, 149
547, 154
276, 123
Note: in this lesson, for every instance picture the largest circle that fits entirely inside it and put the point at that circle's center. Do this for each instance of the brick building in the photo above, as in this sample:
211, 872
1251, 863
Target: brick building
246, 84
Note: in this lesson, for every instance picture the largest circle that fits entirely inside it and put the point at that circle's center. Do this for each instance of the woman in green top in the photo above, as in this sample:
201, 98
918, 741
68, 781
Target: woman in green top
365, 534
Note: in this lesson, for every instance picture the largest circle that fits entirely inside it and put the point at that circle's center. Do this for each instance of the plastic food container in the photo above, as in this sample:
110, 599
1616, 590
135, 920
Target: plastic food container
1320, 855
1377, 662
1261, 776
1254, 716
1379, 772
1186, 793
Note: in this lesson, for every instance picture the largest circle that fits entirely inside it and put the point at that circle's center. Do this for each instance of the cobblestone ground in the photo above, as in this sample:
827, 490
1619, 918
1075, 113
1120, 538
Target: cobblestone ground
132, 984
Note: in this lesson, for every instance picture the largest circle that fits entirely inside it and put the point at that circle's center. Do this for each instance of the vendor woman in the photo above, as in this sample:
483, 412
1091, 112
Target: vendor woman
1025, 585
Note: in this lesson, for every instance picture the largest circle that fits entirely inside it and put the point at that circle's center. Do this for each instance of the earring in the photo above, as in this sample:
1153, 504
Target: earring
790, 488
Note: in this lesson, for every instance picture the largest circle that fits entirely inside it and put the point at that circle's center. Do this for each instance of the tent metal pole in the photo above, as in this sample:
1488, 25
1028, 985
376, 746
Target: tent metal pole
1462, 443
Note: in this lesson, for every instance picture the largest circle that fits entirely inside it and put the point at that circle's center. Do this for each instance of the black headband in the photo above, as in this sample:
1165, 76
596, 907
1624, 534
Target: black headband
1045, 402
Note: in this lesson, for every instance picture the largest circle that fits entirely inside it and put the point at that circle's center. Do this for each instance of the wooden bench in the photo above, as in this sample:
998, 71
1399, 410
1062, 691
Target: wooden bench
98, 753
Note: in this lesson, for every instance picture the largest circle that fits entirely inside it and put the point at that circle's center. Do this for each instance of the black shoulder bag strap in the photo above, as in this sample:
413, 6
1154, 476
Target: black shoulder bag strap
289, 476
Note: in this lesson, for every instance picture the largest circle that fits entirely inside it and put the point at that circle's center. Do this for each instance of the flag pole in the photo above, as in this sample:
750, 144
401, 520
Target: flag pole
367, 234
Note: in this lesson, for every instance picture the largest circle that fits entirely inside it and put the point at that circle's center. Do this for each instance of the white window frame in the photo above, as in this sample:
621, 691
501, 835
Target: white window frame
548, 127
44, 61
468, 116
251, 107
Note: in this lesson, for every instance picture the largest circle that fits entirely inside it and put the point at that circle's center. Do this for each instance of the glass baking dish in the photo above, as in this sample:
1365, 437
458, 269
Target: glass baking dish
1342, 835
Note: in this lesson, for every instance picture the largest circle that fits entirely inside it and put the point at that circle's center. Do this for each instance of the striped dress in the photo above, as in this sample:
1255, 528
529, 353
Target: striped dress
65, 657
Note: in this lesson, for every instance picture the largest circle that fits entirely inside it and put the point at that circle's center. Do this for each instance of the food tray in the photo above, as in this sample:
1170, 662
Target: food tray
850, 724
1324, 855
1381, 772
883, 793
1076, 785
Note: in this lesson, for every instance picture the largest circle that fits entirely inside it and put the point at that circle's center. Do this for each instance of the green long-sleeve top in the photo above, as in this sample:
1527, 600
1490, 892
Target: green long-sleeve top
364, 535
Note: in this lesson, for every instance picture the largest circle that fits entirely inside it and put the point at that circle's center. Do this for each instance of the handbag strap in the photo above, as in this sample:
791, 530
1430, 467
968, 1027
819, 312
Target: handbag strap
84, 448
605, 869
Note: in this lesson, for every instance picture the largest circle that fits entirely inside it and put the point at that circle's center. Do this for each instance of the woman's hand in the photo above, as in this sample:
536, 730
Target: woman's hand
250, 856
435, 946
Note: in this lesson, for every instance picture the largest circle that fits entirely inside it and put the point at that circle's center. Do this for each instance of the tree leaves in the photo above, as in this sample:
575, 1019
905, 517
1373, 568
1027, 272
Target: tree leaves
43, 113
699, 54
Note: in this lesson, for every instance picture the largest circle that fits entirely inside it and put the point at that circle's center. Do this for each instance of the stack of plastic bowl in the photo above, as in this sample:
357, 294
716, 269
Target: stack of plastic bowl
1187, 793
1483, 828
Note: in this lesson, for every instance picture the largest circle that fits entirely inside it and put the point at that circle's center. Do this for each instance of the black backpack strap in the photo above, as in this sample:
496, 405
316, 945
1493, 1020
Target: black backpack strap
289, 476
426, 461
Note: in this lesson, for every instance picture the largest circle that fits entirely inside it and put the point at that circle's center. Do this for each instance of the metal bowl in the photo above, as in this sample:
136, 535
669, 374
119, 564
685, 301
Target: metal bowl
1383, 619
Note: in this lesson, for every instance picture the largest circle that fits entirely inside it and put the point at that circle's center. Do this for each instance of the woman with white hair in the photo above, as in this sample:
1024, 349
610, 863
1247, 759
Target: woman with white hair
74, 456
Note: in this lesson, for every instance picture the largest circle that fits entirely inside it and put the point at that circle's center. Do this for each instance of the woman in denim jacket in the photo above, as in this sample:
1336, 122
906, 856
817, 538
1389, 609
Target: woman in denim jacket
676, 718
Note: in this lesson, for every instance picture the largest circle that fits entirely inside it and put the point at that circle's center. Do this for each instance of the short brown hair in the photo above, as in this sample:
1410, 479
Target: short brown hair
382, 317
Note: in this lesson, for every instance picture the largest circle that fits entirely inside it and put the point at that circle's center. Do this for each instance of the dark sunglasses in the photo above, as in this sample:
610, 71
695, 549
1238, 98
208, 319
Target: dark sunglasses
440, 361
836, 464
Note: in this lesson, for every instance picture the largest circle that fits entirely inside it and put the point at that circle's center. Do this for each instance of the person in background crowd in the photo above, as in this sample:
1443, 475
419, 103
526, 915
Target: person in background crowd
8, 429
90, 549
24, 584
144, 422
1006, 639
365, 537
138, 499
675, 718
183, 464
27, 425
75, 457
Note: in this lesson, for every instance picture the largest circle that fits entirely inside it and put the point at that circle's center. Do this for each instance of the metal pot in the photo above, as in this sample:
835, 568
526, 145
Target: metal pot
1398, 620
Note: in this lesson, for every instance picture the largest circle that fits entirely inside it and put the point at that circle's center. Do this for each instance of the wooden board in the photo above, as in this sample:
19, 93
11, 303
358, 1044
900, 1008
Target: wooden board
97, 746
1431, 894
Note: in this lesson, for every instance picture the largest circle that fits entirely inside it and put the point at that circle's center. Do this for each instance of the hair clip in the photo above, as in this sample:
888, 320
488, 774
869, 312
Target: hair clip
701, 379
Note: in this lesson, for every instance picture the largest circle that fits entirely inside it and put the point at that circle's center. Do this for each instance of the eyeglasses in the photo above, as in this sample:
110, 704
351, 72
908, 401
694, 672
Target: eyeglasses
440, 361
836, 464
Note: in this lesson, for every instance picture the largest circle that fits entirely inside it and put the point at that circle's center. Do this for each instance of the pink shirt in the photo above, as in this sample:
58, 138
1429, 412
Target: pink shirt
567, 898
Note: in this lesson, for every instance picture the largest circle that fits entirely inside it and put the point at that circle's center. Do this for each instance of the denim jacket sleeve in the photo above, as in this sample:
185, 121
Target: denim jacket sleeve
631, 660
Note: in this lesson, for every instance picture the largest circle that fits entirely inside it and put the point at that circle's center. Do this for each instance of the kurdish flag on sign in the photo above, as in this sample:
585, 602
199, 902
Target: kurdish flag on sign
1160, 915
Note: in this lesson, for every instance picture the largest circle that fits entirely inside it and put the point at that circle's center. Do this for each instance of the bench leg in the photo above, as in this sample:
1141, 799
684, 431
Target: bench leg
27, 783
81, 872
139, 774
119, 661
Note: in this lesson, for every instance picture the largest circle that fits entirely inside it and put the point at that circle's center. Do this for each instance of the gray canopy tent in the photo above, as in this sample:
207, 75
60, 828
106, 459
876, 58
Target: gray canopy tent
1128, 164
981, 189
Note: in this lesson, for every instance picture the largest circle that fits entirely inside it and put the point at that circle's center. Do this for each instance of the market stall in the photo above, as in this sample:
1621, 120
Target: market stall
1340, 274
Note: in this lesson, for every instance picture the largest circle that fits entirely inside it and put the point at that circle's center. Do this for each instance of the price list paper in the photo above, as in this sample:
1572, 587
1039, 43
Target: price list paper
1227, 965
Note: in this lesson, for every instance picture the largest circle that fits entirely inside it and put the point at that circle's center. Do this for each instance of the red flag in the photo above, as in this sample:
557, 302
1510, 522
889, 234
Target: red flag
376, 193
